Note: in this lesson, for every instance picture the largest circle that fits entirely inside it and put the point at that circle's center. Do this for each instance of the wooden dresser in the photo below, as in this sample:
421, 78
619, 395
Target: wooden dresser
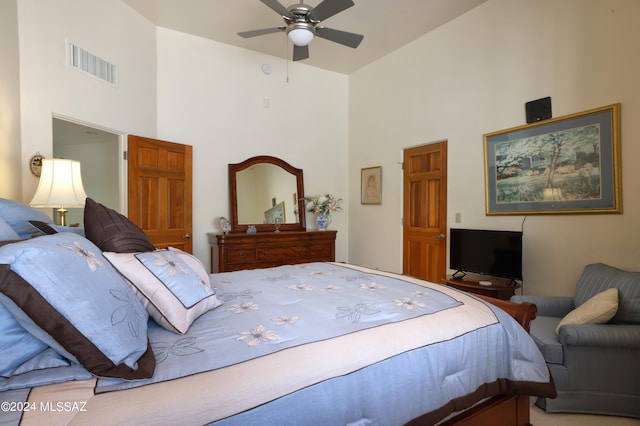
236, 251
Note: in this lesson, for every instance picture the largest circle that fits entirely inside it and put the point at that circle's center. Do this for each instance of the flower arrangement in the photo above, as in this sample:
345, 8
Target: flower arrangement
325, 204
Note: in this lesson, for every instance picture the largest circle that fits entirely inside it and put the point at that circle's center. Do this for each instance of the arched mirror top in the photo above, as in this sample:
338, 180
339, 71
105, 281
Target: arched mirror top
262, 189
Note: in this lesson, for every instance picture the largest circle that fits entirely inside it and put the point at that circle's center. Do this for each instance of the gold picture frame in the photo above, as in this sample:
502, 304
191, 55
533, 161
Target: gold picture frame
371, 185
565, 165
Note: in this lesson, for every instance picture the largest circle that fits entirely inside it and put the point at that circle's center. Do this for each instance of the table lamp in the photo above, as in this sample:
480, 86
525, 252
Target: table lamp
60, 186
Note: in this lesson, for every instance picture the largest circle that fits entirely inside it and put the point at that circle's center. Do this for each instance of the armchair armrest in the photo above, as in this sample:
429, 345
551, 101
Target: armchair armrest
601, 335
548, 306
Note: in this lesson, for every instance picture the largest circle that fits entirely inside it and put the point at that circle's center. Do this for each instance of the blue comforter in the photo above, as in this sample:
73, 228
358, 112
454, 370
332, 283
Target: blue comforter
325, 344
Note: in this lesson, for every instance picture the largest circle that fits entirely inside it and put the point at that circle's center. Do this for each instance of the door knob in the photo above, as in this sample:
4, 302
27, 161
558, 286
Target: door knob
188, 236
440, 237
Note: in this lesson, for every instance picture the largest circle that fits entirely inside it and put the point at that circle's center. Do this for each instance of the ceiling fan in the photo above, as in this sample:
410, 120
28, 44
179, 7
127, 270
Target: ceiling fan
302, 25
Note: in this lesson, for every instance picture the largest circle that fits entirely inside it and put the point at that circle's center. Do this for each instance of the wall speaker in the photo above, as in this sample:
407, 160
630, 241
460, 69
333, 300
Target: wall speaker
538, 110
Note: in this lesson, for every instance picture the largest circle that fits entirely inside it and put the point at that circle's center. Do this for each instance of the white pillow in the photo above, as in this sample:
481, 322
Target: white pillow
597, 310
173, 285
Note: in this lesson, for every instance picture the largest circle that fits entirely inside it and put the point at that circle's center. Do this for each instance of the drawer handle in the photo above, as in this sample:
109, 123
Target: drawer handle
241, 254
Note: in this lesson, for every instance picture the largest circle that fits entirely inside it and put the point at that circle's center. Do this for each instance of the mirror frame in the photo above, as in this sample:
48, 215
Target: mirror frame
233, 194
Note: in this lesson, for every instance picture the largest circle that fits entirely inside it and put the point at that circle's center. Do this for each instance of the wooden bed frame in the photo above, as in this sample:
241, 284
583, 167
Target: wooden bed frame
502, 410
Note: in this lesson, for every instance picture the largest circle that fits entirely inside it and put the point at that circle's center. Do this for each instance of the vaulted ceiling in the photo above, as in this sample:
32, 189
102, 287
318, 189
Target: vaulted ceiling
386, 25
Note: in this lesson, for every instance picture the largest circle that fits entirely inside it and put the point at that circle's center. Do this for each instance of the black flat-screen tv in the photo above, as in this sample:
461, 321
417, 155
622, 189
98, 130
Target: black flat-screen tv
495, 253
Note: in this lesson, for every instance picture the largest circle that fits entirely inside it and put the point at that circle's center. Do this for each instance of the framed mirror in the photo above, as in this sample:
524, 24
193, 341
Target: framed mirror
266, 190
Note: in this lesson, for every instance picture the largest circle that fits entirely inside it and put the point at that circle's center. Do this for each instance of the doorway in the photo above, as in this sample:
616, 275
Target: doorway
425, 212
99, 152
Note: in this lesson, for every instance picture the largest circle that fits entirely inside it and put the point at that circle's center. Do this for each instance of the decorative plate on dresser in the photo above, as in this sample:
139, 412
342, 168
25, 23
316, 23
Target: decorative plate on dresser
225, 225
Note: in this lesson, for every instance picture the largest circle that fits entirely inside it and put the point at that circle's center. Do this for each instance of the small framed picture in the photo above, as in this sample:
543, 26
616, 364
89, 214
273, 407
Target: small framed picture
371, 185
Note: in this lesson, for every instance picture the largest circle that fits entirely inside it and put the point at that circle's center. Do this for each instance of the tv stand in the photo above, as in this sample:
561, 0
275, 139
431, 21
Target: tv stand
497, 290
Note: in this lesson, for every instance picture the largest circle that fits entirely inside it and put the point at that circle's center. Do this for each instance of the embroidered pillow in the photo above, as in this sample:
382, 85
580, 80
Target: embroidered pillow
17, 215
65, 293
111, 231
172, 285
597, 310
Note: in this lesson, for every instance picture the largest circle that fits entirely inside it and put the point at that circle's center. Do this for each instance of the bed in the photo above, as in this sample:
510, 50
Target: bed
315, 343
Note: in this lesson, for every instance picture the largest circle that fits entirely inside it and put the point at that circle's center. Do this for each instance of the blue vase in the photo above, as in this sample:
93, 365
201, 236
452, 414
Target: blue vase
323, 221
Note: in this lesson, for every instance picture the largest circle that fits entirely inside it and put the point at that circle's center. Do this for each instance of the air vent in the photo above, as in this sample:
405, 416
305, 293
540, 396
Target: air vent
88, 63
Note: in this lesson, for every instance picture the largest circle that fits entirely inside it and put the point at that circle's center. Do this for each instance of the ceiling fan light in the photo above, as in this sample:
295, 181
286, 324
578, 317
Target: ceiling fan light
300, 36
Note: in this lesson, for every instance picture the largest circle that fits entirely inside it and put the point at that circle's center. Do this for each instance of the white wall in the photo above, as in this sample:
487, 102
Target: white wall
473, 76
10, 166
107, 28
99, 176
195, 91
212, 96
469, 77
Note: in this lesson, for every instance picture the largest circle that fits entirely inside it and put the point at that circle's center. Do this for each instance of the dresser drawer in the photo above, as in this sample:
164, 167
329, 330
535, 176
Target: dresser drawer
321, 250
283, 253
243, 240
241, 255
236, 251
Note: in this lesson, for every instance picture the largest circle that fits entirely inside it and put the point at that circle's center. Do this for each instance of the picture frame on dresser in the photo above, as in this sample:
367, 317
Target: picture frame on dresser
565, 165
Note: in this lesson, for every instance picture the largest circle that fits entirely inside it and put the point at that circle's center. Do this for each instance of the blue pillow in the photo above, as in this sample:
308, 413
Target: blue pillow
18, 215
74, 229
43, 369
17, 346
66, 294
6, 232
51, 228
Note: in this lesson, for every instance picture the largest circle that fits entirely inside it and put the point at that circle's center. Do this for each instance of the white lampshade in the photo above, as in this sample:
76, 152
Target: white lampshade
300, 36
60, 186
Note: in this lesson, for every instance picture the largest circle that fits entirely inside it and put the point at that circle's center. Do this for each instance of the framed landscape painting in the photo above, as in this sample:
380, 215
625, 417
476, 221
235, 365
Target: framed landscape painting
569, 164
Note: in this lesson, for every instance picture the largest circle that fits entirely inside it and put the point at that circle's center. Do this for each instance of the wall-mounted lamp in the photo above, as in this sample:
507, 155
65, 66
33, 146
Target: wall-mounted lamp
60, 186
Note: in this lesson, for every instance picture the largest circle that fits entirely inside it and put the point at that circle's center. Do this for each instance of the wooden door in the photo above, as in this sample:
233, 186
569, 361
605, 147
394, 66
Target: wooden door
160, 191
425, 212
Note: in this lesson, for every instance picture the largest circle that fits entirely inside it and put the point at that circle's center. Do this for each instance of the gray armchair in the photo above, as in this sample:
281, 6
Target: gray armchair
595, 367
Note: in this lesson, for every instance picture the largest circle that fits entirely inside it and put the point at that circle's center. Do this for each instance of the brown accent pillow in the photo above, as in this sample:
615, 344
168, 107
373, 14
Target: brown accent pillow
44, 227
113, 232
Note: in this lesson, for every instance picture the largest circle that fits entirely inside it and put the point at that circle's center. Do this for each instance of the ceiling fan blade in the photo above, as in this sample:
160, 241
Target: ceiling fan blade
300, 52
328, 8
254, 33
343, 37
277, 7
